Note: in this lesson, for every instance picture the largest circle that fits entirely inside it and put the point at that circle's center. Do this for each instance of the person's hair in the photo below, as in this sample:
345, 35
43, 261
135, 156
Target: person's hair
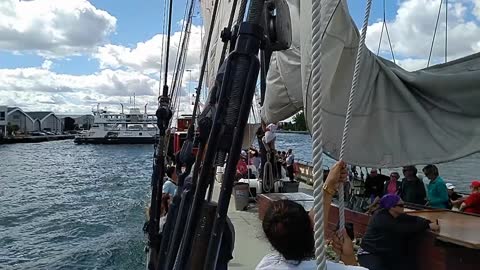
164, 203
410, 168
289, 230
170, 171
430, 169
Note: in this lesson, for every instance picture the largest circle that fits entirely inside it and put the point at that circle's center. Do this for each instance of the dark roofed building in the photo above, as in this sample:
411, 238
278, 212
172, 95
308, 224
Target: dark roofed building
46, 121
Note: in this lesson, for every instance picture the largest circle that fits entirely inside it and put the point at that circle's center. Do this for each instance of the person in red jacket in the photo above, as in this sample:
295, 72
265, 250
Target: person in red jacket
472, 203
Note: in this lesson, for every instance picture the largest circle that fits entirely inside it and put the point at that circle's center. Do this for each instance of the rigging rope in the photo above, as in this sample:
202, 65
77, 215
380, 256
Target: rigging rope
446, 29
162, 49
204, 63
317, 126
435, 33
317, 142
167, 54
230, 22
348, 117
385, 26
183, 32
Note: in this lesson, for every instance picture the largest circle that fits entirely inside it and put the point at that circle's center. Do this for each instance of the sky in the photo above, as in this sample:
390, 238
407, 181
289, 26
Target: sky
68, 55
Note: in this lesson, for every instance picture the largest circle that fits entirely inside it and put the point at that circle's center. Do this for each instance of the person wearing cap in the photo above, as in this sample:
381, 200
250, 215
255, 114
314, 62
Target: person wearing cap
472, 203
437, 193
413, 189
374, 185
455, 198
385, 243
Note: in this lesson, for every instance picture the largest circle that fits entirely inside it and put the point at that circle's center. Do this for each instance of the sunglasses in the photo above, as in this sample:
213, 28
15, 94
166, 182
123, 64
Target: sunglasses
400, 205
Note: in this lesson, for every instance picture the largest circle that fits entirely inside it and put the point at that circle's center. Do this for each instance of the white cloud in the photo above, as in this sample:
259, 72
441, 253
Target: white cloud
476, 10
146, 56
35, 88
53, 27
411, 31
412, 64
47, 64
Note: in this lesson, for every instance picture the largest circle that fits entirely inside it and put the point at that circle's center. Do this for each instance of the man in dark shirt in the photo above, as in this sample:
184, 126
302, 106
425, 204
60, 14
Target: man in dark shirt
413, 189
374, 185
455, 199
384, 245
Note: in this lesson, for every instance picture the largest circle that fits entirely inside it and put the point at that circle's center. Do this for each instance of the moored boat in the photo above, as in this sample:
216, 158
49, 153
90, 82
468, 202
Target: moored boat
133, 127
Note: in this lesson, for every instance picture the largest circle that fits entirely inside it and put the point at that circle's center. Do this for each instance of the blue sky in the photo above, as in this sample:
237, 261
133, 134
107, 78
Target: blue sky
105, 50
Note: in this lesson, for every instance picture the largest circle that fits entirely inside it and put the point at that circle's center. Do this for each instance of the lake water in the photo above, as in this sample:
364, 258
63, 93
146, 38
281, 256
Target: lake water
66, 206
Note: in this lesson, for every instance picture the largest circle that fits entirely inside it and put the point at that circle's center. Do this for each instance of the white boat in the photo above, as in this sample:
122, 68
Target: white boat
133, 127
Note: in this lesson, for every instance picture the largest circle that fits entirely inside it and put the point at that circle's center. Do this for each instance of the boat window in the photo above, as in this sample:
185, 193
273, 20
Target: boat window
140, 133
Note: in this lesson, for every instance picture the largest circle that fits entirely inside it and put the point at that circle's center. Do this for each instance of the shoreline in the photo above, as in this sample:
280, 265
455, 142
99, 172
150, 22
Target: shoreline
36, 139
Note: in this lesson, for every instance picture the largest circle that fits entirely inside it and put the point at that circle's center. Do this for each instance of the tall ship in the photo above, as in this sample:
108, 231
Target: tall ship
133, 127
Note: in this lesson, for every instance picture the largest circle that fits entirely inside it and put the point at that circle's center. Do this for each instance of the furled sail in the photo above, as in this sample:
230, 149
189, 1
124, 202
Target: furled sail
215, 52
399, 117
216, 46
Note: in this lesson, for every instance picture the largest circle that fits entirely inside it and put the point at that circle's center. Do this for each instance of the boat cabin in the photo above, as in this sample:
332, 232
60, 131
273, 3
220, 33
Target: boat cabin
179, 135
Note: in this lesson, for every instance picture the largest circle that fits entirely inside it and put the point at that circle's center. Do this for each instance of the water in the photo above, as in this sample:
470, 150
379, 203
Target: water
66, 206
460, 172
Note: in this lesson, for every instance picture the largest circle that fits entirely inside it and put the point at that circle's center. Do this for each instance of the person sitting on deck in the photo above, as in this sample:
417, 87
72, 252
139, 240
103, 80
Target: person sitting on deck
437, 190
455, 199
242, 168
472, 203
383, 246
413, 189
289, 229
170, 182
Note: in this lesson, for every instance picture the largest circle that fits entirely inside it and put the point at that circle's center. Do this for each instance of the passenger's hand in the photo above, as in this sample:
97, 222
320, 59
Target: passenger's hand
338, 174
343, 246
434, 227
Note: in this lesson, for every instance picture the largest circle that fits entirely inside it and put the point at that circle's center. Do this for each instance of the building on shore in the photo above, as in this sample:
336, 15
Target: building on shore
3, 121
75, 122
46, 121
17, 121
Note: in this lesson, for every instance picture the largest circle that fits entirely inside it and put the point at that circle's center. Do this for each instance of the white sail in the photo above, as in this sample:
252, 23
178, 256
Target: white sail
399, 117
